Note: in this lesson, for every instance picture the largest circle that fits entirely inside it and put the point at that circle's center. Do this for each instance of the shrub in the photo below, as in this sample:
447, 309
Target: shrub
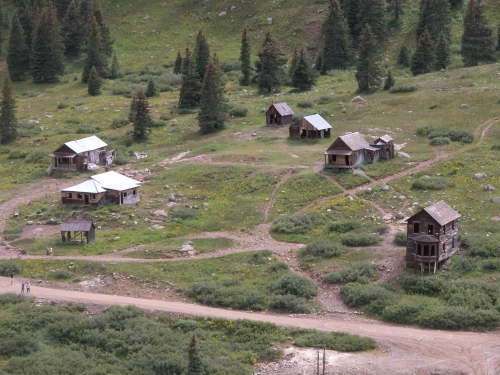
487, 248
440, 141
37, 157
424, 131
434, 106
297, 224
52, 222
340, 341
304, 104
185, 213
344, 226
18, 344
11, 298
158, 123
290, 303
296, 285
62, 105
9, 268
238, 111
403, 88
324, 248
86, 129
17, 154
261, 257
438, 133
357, 295
4, 150
493, 148
279, 266
325, 99
381, 229
358, 272
165, 117
460, 135
185, 111
229, 66
360, 239
428, 286
400, 238
119, 122
63, 274
430, 183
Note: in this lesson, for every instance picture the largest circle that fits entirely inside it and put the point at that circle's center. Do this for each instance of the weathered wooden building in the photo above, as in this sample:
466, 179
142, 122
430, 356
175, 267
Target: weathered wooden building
386, 145
312, 127
279, 114
104, 188
80, 155
350, 150
84, 229
432, 237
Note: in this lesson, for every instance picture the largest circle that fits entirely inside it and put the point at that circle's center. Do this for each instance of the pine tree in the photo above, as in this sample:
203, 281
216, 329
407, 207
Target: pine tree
403, 58
47, 59
389, 81
94, 82
442, 53
423, 59
303, 76
293, 63
372, 12
85, 12
95, 56
318, 65
71, 29
202, 54
368, 71
133, 109
477, 39
1, 26
189, 95
195, 364
435, 16
151, 89
178, 63
213, 103
498, 38
18, 54
8, 120
142, 120
351, 8
336, 52
26, 18
106, 41
396, 8
61, 8
245, 59
269, 65
114, 71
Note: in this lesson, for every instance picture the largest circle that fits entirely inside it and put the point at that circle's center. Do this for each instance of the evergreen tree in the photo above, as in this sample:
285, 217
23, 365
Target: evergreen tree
477, 39
456, 4
303, 77
189, 95
372, 12
389, 81
423, 59
71, 29
8, 120
95, 56
94, 82
202, 54
498, 38
178, 63
442, 53
26, 18
245, 59
106, 41
141, 119
18, 60
1, 26
396, 8
195, 364
47, 59
151, 89
269, 65
351, 8
132, 109
435, 16
61, 8
318, 65
293, 63
403, 58
213, 103
336, 52
368, 71
114, 72
85, 12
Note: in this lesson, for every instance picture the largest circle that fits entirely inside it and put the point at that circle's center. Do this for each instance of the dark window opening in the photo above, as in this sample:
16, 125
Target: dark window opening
124, 194
453, 225
80, 196
419, 249
433, 250
334, 158
430, 229
70, 195
454, 243
346, 160
92, 196
444, 229
444, 248
133, 192
426, 250
416, 227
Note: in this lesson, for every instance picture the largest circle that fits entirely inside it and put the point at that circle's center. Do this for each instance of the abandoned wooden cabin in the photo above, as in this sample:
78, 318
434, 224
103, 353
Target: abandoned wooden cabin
279, 114
386, 145
349, 150
432, 237
104, 188
82, 154
83, 229
311, 127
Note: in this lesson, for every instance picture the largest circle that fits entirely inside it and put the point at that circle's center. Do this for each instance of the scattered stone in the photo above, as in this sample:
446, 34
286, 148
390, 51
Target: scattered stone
172, 198
157, 227
187, 248
233, 8
368, 190
104, 266
402, 198
269, 21
485, 89
254, 134
385, 188
135, 222
146, 220
357, 99
400, 216
140, 155
403, 155
496, 200
29, 222
463, 106
223, 13
480, 176
488, 188
116, 238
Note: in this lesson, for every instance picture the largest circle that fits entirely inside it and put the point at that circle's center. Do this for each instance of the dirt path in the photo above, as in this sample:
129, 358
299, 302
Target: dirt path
285, 178
405, 350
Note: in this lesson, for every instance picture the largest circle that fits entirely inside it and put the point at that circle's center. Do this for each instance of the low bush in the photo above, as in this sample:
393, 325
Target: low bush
238, 111
119, 122
62, 105
344, 226
488, 247
424, 131
158, 123
325, 99
427, 286
9, 268
431, 183
185, 111
37, 157
440, 141
400, 238
434, 106
297, 224
324, 249
381, 229
357, 272
305, 104
52, 222
261, 257
165, 117
185, 213
460, 135
63, 274
290, 303
339, 341
4, 150
438, 133
11, 298
493, 148
279, 266
18, 154
86, 129
229, 66
296, 285
403, 88
360, 239
209, 293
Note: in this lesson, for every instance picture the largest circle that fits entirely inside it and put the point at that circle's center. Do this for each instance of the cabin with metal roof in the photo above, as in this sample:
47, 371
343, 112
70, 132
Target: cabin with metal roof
349, 150
311, 127
432, 237
83, 229
104, 188
279, 114
386, 145
83, 154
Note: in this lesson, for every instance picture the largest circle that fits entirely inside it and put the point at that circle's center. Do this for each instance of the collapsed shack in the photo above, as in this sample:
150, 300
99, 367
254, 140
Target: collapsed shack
84, 229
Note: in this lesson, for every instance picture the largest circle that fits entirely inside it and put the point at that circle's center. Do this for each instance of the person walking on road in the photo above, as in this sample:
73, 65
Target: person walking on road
22, 287
11, 278
28, 287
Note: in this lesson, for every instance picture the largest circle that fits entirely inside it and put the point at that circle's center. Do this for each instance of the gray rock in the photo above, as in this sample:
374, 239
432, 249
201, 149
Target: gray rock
357, 99
400, 215
385, 188
488, 188
187, 249
146, 220
496, 200
104, 266
223, 13
29, 222
269, 21
464, 106
171, 198
402, 198
403, 155
480, 176
368, 190
485, 89
116, 238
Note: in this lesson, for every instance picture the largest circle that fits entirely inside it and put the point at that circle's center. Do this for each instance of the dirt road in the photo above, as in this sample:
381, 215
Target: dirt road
405, 350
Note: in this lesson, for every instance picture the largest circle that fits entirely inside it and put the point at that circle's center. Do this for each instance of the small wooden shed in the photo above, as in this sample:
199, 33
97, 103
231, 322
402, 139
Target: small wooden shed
350, 150
386, 144
312, 127
83, 229
279, 114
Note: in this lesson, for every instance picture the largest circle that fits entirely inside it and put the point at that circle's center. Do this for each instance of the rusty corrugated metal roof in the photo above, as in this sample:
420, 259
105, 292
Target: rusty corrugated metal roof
76, 226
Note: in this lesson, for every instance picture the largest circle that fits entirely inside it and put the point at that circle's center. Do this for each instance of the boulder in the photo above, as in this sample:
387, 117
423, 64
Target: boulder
488, 188
463, 106
357, 99
403, 155
29, 222
171, 198
400, 215
223, 13
496, 200
368, 190
385, 188
269, 21
187, 248
480, 176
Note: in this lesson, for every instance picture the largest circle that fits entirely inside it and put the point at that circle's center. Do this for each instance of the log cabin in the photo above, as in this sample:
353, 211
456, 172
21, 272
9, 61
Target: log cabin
311, 127
386, 145
349, 150
279, 114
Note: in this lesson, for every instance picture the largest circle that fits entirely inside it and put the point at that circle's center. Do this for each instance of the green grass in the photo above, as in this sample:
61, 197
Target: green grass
350, 180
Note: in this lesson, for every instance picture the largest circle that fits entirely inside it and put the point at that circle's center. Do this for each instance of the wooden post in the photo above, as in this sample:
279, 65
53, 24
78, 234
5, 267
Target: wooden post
317, 360
324, 360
